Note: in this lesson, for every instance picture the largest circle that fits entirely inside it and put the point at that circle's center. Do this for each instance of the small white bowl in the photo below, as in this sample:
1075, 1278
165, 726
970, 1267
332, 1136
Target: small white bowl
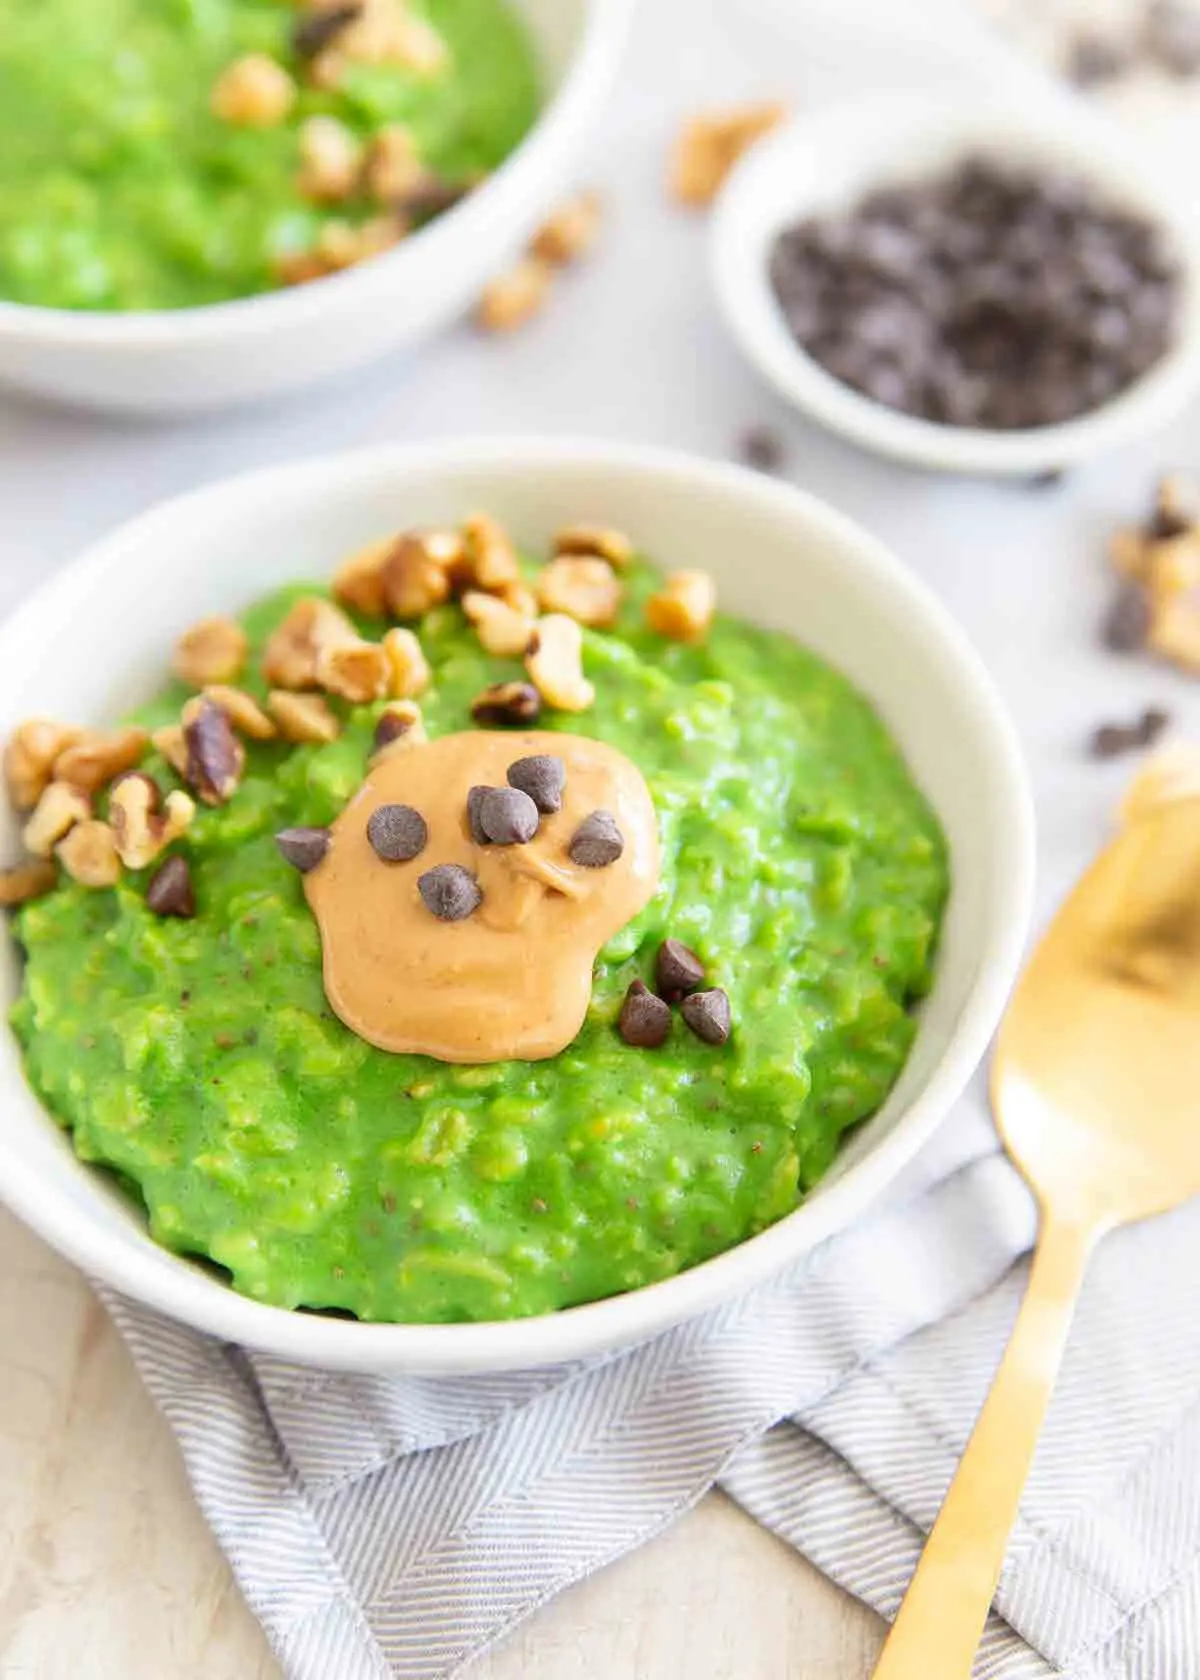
95, 640
172, 361
827, 162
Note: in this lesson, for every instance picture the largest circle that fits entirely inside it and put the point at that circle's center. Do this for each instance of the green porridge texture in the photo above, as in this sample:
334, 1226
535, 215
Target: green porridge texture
201, 1060
119, 189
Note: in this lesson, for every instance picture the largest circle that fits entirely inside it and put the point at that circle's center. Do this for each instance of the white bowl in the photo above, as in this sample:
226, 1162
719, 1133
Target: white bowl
827, 162
189, 359
93, 642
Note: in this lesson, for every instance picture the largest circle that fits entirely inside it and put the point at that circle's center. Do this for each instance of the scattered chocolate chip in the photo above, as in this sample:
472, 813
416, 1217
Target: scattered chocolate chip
449, 892
761, 447
597, 841
1093, 59
315, 31
304, 848
543, 777
214, 754
474, 808
1165, 523
169, 891
1173, 37
1112, 739
1152, 725
507, 816
1127, 623
707, 1013
677, 970
507, 703
1048, 480
645, 1020
397, 833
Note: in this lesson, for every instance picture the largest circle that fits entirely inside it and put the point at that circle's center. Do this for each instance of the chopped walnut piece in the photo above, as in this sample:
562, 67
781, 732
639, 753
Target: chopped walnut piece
392, 165
213, 651
290, 657
513, 298
491, 558
501, 629
1174, 632
169, 741
25, 881
505, 704
570, 231
358, 581
215, 756
253, 92
684, 609
303, 717
602, 540
358, 671
59, 809
383, 32
520, 597
330, 160
415, 575
97, 759
408, 667
143, 826
242, 710
400, 726
584, 587
710, 144
30, 757
89, 855
555, 664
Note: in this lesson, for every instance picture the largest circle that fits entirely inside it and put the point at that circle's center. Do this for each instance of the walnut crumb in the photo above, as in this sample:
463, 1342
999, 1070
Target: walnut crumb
253, 92
303, 717
213, 651
88, 854
684, 609
710, 143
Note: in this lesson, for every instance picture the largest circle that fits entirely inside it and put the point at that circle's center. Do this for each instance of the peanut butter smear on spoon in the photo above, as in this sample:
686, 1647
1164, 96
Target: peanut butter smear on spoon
510, 977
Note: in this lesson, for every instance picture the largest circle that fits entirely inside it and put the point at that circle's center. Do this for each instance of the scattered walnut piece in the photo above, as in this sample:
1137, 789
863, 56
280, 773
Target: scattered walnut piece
358, 671
709, 145
684, 609
584, 587
383, 32
58, 810
555, 664
416, 574
392, 165
213, 651
504, 704
602, 540
1157, 605
25, 881
215, 756
1174, 632
143, 827
303, 717
513, 298
253, 92
502, 630
30, 757
97, 759
330, 160
242, 710
89, 855
570, 231
1173, 772
290, 657
520, 597
491, 557
169, 741
400, 726
341, 244
358, 581
408, 667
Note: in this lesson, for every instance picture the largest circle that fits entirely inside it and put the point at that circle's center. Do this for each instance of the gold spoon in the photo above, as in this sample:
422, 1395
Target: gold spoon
1094, 1090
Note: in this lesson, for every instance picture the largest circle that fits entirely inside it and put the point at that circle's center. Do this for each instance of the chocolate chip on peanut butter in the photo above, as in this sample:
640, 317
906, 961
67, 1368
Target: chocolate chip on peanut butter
397, 833
449, 892
543, 777
645, 1020
597, 841
677, 970
507, 704
707, 1013
507, 816
303, 848
170, 892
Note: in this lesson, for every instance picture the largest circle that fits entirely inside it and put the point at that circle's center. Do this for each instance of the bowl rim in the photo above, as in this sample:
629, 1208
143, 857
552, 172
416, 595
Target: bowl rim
1054, 125
485, 209
185, 1293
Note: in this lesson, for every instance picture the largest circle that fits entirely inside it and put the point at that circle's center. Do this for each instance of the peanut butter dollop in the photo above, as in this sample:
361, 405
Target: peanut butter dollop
511, 981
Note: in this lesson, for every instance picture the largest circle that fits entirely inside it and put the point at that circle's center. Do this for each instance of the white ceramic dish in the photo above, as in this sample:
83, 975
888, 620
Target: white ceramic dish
95, 639
260, 347
826, 162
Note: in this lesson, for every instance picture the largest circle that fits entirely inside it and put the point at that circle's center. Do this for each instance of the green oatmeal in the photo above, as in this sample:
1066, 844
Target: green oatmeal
200, 1059
121, 187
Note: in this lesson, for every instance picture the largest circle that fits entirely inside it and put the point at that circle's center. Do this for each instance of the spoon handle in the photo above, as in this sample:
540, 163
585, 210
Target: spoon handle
941, 1619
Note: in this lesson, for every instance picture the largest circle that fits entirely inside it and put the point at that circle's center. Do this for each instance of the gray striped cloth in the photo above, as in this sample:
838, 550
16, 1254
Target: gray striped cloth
386, 1527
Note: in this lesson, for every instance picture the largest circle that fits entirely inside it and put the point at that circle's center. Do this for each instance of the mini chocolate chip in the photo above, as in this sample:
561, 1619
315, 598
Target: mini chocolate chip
597, 841
1152, 724
1094, 58
761, 447
707, 1013
543, 777
645, 1020
214, 754
304, 848
316, 31
450, 892
677, 970
507, 816
1128, 621
169, 891
397, 833
1050, 479
1112, 739
507, 703
474, 806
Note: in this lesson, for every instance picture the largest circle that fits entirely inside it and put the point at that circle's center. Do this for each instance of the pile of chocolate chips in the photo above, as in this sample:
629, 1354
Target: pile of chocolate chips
986, 297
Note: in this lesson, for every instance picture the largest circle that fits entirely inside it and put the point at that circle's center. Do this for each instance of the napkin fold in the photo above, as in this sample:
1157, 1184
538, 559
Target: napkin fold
389, 1527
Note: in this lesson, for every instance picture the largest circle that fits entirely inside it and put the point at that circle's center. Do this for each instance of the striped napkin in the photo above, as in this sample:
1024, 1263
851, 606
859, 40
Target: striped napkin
385, 1527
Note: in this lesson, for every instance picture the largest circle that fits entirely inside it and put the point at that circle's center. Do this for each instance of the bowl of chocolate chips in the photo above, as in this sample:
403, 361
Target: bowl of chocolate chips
998, 289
